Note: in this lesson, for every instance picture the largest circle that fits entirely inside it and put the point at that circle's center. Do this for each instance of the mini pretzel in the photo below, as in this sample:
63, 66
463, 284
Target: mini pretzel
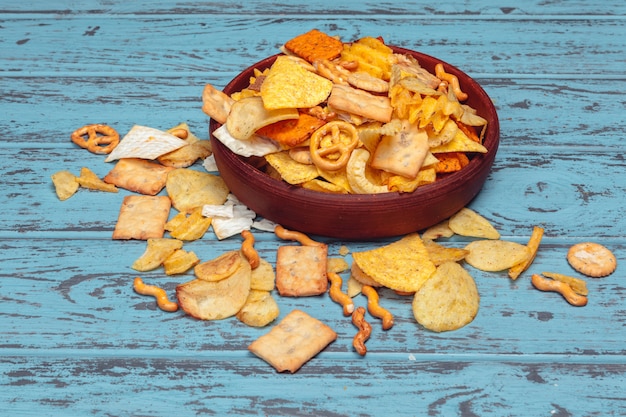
247, 248
90, 137
365, 330
332, 144
337, 295
300, 237
375, 309
159, 293
450, 79
546, 284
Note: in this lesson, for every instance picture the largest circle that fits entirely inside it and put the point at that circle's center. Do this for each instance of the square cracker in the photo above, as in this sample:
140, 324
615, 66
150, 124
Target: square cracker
301, 270
142, 217
315, 45
293, 341
138, 175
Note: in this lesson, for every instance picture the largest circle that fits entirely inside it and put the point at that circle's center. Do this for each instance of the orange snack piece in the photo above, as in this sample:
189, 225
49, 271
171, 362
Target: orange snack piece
315, 45
292, 132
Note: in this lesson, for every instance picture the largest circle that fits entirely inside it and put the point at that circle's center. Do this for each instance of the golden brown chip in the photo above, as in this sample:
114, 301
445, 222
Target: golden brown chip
215, 300
187, 155
190, 189
250, 114
466, 222
403, 265
291, 171
259, 310
219, 268
180, 262
353, 287
315, 45
448, 301
361, 277
337, 265
441, 229
263, 277
88, 179
193, 227
440, 254
65, 184
157, 251
292, 132
495, 255
142, 217
533, 246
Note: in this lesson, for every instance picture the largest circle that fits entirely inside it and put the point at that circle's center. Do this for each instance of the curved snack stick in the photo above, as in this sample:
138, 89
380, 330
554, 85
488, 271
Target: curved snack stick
375, 309
304, 240
365, 330
159, 293
452, 80
546, 284
337, 295
247, 248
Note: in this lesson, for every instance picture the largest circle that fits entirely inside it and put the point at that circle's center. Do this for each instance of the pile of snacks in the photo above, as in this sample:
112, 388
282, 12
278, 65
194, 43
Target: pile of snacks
350, 117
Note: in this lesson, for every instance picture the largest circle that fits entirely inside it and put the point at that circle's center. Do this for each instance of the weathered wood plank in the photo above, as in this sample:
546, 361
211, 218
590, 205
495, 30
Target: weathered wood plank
198, 44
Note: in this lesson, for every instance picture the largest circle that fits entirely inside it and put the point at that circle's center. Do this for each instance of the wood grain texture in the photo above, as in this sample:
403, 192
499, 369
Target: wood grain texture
75, 340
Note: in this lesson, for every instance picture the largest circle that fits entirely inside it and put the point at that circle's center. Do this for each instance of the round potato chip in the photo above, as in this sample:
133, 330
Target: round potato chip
467, 222
259, 310
448, 301
263, 277
495, 255
219, 268
189, 189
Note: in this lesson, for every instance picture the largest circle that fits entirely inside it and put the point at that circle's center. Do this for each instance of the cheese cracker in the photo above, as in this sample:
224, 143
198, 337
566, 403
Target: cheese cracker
142, 217
301, 270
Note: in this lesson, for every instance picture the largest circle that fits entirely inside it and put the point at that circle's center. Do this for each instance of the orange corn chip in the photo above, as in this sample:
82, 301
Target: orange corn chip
292, 132
451, 162
469, 131
315, 45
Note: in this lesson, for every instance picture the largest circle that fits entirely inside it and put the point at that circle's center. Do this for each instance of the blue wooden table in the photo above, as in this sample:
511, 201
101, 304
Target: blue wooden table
75, 340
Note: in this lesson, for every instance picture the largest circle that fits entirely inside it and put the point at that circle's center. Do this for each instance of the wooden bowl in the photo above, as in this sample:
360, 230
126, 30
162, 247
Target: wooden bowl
353, 216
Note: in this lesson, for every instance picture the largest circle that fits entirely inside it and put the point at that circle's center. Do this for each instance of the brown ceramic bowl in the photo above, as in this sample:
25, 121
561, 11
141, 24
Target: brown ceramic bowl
352, 216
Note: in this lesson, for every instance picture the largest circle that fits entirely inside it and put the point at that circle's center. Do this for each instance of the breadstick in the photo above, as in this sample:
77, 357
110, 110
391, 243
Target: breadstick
337, 295
365, 330
159, 293
375, 309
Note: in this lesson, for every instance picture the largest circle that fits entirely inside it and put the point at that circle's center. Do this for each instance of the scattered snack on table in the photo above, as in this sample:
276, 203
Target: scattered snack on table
533, 245
375, 308
190, 189
337, 265
357, 274
293, 342
65, 184
338, 296
142, 217
92, 137
247, 248
578, 285
158, 293
301, 270
448, 301
215, 300
219, 268
263, 277
495, 255
146, 143
189, 227
561, 287
437, 231
259, 310
592, 259
188, 154
157, 251
88, 179
364, 332
403, 265
466, 222
180, 262
354, 287
138, 175
439, 254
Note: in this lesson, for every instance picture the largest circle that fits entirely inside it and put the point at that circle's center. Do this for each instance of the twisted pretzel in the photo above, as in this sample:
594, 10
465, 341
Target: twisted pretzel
332, 144
91, 137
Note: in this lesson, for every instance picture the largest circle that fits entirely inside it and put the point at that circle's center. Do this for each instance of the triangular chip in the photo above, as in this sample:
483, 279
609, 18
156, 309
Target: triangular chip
289, 86
290, 170
403, 265
466, 222
146, 143
460, 143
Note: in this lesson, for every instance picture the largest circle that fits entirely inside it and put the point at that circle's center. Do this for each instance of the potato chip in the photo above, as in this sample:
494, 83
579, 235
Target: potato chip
448, 301
193, 227
254, 146
466, 222
533, 246
65, 184
372, 55
289, 86
291, 171
250, 114
439, 230
215, 300
495, 255
403, 265
263, 277
157, 251
187, 155
88, 179
180, 262
405, 185
440, 254
337, 265
259, 310
353, 287
361, 277
189, 189
145, 143
578, 285
219, 268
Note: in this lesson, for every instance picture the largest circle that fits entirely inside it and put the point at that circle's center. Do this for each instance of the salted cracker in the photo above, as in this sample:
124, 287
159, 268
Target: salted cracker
142, 217
146, 143
301, 270
592, 259
138, 175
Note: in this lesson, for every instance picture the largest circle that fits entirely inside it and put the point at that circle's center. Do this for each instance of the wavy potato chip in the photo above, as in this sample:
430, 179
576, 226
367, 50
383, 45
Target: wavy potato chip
215, 300
263, 277
440, 254
495, 255
466, 222
403, 265
259, 310
189, 189
448, 301
157, 251
180, 262
219, 268
193, 227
